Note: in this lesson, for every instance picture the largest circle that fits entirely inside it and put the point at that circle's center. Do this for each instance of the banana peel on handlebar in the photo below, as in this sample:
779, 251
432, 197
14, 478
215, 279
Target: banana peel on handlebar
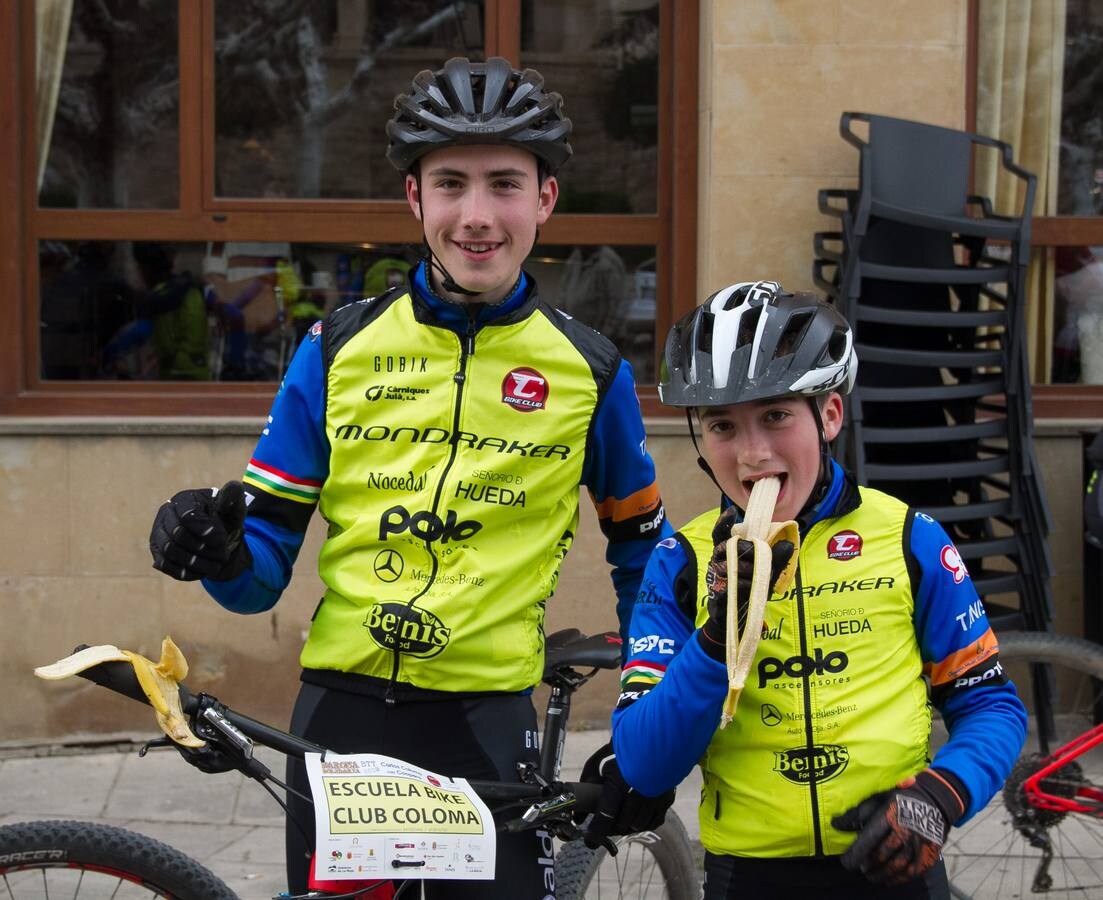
159, 680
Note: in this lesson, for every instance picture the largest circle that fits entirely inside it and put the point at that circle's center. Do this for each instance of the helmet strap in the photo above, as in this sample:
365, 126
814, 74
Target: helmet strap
825, 465
705, 467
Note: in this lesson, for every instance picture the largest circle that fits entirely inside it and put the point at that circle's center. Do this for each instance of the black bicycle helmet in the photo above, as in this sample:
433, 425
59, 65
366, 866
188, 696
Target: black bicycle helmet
478, 103
754, 341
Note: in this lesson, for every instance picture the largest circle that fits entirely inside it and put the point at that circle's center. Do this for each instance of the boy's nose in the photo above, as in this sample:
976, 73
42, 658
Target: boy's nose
753, 448
475, 213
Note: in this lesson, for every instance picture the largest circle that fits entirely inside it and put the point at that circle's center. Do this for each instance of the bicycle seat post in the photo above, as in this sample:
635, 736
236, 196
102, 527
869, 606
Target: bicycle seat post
555, 730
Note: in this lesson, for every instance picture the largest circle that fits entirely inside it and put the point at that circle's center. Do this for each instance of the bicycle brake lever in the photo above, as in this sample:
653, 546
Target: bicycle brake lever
155, 742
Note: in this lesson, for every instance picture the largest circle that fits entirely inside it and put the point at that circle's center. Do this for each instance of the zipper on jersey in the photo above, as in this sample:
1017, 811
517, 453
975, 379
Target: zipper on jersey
467, 349
809, 730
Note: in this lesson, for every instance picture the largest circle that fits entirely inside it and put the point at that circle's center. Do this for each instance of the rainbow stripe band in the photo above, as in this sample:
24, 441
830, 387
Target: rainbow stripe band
272, 481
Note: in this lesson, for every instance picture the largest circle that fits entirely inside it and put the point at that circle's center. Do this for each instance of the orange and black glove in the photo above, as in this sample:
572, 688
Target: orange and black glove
901, 831
713, 634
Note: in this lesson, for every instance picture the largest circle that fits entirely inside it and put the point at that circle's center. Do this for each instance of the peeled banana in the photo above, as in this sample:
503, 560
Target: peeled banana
159, 681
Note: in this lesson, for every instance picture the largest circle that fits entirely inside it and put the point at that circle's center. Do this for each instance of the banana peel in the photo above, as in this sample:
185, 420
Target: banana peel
160, 682
758, 528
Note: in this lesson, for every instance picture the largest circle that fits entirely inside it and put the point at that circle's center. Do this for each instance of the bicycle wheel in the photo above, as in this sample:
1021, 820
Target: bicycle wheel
83, 861
1012, 848
651, 865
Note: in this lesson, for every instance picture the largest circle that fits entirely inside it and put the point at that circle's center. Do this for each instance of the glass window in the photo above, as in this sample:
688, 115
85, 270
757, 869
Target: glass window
108, 84
603, 57
1078, 325
1038, 88
218, 311
611, 289
1080, 182
303, 90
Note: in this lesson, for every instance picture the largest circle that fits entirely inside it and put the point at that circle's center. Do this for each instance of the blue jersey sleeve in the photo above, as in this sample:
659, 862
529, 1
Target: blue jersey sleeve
282, 482
671, 691
620, 476
985, 718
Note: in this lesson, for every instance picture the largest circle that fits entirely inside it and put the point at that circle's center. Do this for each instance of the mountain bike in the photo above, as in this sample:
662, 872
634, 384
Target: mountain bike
82, 861
1042, 836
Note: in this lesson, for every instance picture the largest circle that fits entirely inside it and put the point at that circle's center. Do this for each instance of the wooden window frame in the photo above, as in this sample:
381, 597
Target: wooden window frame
1051, 401
202, 217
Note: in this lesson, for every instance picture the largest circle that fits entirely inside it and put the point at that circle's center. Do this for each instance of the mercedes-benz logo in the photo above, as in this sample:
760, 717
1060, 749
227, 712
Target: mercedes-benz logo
388, 565
771, 715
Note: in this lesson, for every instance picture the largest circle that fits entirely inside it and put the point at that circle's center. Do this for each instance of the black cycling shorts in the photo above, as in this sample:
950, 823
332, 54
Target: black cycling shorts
481, 738
743, 878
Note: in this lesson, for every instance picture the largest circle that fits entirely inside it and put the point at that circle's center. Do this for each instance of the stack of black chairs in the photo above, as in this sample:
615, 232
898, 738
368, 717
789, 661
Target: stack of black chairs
933, 282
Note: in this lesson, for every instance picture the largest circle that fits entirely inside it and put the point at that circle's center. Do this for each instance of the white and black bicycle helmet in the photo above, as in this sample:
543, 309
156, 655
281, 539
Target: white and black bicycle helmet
755, 341
478, 103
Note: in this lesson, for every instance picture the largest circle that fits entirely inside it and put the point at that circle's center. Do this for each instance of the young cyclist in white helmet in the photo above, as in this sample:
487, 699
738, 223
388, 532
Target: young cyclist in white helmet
822, 784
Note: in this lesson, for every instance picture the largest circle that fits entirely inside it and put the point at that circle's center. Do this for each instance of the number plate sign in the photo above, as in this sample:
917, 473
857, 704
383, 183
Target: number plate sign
378, 817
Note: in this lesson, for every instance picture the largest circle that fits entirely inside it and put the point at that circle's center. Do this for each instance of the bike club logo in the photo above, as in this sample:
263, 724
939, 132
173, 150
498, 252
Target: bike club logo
844, 545
406, 628
821, 762
952, 563
388, 565
526, 390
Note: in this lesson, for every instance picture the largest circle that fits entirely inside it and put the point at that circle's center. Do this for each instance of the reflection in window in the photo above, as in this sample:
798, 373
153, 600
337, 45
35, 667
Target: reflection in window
1078, 339
610, 289
303, 90
221, 311
108, 98
1080, 189
236, 310
603, 57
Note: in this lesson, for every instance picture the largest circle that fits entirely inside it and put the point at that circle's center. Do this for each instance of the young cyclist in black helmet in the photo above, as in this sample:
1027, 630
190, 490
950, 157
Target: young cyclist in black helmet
822, 785
443, 430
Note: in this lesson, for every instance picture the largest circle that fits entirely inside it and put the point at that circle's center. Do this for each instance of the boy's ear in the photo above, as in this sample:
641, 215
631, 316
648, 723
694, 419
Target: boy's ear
413, 196
831, 412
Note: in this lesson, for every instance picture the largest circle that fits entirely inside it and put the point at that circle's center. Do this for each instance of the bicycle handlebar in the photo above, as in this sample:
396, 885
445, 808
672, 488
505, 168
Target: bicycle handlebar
120, 678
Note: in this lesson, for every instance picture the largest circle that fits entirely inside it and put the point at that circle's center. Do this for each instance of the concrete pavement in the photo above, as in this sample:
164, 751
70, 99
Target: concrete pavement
228, 823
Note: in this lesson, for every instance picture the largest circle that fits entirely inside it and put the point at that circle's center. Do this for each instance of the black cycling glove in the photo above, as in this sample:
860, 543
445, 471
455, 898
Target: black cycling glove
200, 533
209, 759
714, 631
901, 832
623, 809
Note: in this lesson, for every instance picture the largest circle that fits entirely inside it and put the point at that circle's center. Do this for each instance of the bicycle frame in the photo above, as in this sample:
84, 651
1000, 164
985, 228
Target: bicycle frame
549, 801
1092, 797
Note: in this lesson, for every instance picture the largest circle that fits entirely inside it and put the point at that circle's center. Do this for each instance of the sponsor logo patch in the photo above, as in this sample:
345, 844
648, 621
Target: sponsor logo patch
526, 390
821, 761
952, 563
844, 545
388, 565
800, 666
413, 631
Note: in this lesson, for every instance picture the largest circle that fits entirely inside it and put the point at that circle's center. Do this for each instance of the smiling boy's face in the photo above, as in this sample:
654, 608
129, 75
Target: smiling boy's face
480, 206
747, 441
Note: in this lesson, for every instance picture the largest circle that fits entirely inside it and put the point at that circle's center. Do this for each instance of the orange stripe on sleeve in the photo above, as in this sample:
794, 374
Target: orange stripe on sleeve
961, 661
642, 501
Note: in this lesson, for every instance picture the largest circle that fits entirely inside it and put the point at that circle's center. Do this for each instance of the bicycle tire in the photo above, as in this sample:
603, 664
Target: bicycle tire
1001, 851
83, 859
651, 865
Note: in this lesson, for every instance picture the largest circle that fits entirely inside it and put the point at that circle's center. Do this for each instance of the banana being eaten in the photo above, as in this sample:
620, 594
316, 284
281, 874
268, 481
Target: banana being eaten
159, 681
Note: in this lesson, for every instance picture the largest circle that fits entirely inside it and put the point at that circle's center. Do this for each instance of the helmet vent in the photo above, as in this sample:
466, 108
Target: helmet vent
748, 325
836, 346
794, 331
704, 333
